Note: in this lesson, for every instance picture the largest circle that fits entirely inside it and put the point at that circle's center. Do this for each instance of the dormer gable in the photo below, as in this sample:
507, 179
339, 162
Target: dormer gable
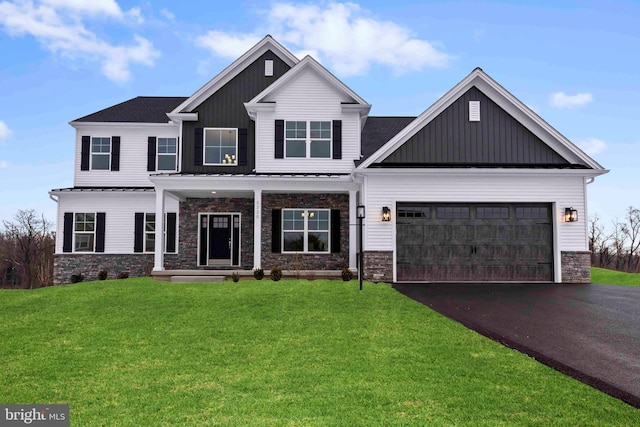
478, 123
350, 101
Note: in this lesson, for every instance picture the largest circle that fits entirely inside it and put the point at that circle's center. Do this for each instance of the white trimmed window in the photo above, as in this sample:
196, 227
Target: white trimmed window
306, 230
308, 139
221, 146
149, 232
167, 153
84, 232
100, 153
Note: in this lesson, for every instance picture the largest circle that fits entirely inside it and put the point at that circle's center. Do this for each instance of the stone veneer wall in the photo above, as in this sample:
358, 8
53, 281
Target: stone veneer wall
576, 267
308, 261
187, 256
64, 265
378, 266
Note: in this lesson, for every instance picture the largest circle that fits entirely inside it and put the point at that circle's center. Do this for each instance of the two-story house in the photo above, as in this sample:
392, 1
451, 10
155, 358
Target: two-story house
266, 163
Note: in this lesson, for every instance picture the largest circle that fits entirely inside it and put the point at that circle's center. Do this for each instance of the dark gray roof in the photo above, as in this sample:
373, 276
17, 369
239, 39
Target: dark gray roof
379, 130
142, 109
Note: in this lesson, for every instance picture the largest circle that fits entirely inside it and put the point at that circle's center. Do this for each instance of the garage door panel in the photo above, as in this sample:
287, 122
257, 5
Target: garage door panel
474, 242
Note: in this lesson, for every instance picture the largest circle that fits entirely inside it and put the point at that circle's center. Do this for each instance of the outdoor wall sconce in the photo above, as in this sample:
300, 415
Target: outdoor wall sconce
570, 215
386, 214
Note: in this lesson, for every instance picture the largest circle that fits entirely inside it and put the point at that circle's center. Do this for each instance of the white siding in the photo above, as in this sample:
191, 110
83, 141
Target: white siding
307, 97
133, 154
120, 209
565, 192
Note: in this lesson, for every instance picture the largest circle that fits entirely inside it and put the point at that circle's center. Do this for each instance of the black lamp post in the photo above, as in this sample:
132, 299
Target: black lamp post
360, 213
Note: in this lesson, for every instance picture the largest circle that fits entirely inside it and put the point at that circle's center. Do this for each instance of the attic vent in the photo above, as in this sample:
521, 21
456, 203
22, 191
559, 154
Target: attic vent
474, 111
268, 67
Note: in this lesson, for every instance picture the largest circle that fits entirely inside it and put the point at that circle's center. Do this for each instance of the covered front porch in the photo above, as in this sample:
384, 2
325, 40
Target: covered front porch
230, 223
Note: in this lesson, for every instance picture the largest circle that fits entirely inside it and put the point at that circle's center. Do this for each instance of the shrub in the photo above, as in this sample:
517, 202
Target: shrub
77, 278
123, 275
235, 276
102, 275
276, 274
346, 274
258, 274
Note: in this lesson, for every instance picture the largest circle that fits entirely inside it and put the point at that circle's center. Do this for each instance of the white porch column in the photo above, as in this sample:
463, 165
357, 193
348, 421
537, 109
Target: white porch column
257, 228
158, 255
353, 202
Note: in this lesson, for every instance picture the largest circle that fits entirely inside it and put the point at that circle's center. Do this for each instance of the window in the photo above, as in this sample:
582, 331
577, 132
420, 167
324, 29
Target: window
149, 232
308, 139
84, 232
167, 154
100, 153
221, 147
305, 230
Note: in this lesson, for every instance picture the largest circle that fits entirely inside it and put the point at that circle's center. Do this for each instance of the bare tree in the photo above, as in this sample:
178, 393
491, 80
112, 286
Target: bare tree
30, 247
601, 255
631, 231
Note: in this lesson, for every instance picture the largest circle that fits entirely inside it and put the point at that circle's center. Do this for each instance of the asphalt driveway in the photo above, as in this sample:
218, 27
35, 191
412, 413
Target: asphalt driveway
590, 332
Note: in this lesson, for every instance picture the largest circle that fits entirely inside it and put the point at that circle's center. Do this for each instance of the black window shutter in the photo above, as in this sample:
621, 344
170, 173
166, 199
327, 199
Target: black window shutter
197, 146
151, 154
115, 153
242, 147
85, 152
171, 232
337, 139
100, 227
67, 233
276, 231
335, 231
138, 233
279, 139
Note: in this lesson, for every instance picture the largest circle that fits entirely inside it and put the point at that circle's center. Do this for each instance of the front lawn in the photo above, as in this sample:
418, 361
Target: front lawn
296, 353
612, 277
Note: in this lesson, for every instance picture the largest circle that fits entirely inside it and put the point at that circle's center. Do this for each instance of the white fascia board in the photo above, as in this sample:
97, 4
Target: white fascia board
309, 62
478, 172
226, 75
254, 108
363, 109
121, 125
183, 117
505, 100
267, 183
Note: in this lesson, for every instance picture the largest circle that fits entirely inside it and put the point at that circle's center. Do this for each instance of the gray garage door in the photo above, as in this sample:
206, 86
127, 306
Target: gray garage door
445, 242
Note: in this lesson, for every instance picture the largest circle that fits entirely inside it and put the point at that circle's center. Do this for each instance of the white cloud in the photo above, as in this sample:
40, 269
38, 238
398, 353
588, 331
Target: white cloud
562, 100
168, 14
340, 34
58, 26
4, 164
5, 132
592, 146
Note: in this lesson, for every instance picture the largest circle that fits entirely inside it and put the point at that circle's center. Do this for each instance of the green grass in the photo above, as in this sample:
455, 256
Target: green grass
612, 277
291, 353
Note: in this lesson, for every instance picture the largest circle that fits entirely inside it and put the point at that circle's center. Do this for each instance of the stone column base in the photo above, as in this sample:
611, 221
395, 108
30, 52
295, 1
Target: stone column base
576, 267
378, 266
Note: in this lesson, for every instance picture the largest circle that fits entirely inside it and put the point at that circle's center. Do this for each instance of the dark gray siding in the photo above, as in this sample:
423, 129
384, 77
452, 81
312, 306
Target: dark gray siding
225, 108
496, 140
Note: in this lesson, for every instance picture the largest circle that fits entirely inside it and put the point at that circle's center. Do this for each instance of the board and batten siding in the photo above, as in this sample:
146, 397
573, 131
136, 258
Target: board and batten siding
567, 191
133, 154
120, 209
307, 97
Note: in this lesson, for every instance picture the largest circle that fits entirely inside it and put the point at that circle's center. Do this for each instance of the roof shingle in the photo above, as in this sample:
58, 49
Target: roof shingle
142, 109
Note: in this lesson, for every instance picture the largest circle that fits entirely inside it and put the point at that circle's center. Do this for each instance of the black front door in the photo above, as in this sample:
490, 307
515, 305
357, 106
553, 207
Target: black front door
219, 237
219, 240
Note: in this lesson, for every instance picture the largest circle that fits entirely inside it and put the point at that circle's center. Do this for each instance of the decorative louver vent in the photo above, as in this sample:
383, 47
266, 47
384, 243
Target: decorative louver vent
474, 111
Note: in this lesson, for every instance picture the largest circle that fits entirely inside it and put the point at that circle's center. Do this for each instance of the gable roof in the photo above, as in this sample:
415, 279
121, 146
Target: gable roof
226, 75
309, 63
505, 100
142, 109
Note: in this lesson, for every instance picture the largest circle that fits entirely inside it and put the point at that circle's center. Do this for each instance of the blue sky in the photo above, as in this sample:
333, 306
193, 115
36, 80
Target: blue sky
573, 62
